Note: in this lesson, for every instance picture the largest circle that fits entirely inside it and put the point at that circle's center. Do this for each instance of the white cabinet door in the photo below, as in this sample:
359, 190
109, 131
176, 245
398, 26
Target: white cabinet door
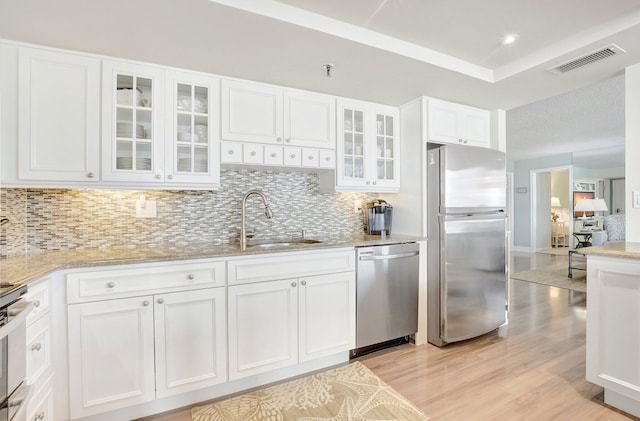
327, 319
251, 112
59, 116
111, 363
38, 348
192, 141
477, 127
309, 119
263, 324
455, 123
132, 123
190, 337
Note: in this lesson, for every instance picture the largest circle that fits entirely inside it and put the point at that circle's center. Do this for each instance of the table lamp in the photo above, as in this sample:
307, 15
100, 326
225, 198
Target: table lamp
584, 206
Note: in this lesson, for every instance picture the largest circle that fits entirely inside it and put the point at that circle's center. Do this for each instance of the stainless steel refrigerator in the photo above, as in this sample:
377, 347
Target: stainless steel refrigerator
466, 202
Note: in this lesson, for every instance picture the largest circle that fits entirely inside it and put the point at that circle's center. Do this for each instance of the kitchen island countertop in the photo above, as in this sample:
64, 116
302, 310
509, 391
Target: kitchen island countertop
24, 267
625, 250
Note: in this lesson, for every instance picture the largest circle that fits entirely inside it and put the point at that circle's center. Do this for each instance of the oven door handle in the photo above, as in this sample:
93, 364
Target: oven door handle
17, 313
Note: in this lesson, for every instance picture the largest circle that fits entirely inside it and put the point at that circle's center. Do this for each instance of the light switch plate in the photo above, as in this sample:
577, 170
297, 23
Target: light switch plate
636, 199
146, 209
357, 205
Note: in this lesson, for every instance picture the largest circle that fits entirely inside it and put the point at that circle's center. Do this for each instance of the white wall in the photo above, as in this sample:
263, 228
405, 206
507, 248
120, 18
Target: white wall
632, 150
543, 210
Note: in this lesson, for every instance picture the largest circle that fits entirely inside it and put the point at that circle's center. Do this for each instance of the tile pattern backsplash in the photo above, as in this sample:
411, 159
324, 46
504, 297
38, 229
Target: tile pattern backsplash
52, 219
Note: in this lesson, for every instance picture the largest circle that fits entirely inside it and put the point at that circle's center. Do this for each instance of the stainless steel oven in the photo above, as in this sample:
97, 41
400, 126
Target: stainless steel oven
14, 392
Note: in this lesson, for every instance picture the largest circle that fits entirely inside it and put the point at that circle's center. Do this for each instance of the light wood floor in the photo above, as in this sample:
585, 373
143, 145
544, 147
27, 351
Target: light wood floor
536, 373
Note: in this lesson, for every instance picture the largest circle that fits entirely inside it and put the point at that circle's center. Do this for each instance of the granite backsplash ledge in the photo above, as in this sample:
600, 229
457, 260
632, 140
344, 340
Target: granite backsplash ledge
59, 219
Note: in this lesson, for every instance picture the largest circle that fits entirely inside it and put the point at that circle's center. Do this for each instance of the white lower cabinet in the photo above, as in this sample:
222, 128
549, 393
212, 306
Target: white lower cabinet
115, 346
40, 406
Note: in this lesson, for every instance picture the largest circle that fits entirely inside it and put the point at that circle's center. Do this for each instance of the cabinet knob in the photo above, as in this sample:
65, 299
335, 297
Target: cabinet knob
288, 140
145, 303
36, 304
39, 416
279, 139
90, 175
327, 158
273, 155
191, 276
230, 152
158, 176
160, 300
368, 182
466, 141
460, 140
293, 155
304, 282
111, 285
374, 183
36, 347
170, 177
253, 153
310, 157
293, 284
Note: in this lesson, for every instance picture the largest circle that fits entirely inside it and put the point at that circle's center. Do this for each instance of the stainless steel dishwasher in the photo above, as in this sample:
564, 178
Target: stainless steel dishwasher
387, 293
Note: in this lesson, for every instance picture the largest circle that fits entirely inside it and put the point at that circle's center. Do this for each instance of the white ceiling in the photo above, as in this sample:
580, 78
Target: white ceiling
388, 51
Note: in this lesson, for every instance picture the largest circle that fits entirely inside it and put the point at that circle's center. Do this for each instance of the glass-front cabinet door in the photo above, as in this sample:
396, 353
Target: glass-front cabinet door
387, 170
351, 166
192, 147
132, 123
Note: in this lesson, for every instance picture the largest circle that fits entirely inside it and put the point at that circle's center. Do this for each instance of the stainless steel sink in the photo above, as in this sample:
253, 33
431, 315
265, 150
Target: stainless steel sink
282, 243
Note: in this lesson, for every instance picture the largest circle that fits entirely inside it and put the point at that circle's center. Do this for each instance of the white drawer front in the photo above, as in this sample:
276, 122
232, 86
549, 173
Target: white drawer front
119, 283
252, 153
231, 152
327, 158
38, 348
272, 155
40, 296
292, 156
310, 157
289, 266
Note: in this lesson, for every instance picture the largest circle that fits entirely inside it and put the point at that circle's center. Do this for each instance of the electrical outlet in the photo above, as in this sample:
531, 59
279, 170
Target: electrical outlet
146, 208
357, 205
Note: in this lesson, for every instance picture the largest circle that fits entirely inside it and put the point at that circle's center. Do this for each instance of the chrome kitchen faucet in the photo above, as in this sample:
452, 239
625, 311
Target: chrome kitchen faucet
267, 213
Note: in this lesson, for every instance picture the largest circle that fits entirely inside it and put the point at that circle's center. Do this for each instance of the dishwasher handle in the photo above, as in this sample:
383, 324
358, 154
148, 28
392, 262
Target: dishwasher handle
387, 256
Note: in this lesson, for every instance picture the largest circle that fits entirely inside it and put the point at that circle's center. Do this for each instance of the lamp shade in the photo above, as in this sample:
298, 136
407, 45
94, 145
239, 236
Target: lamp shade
585, 205
599, 205
555, 202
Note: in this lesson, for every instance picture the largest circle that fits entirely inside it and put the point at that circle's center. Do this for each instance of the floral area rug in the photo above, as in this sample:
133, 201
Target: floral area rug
351, 392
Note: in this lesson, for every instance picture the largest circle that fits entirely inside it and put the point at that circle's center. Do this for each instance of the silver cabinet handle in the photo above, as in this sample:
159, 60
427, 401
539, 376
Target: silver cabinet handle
310, 157
111, 285
90, 175
230, 152
304, 282
328, 158
160, 300
288, 140
368, 182
293, 155
279, 139
170, 177
293, 284
36, 347
273, 155
145, 303
191, 276
40, 416
460, 140
374, 183
158, 176
253, 153
36, 304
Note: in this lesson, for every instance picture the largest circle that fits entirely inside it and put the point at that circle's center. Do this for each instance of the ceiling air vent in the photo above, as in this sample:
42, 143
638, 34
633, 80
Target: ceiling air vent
592, 57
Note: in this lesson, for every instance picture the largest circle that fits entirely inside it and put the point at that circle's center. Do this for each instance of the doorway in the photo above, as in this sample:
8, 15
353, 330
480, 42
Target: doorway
617, 196
551, 226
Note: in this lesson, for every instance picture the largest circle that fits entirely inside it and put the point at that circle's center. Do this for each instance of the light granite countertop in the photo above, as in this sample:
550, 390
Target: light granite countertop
22, 268
622, 249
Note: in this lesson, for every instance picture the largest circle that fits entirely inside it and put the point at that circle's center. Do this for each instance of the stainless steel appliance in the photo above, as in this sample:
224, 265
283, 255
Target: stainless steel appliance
377, 217
387, 293
14, 393
466, 283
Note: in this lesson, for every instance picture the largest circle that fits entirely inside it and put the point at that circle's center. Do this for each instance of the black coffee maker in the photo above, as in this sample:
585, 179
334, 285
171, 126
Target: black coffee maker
377, 217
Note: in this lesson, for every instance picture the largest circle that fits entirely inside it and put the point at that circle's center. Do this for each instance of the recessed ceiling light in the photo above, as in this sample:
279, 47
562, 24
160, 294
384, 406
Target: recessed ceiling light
509, 39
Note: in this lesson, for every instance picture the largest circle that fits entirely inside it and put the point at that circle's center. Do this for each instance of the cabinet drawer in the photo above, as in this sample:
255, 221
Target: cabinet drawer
293, 265
292, 156
252, 153
119, 283
310, 157
38, 348
272, 155
39, 294
40, 407
231, 152
327, 158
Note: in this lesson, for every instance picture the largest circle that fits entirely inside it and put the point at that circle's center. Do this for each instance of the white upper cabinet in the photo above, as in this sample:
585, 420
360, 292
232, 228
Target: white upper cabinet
368, 147
58, 117
192, 132
132, 127
309, 119
454, 123
251, 112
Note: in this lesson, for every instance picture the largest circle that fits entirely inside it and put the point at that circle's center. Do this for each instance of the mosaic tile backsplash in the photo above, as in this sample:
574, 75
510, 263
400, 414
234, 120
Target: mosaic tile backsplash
53, 219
